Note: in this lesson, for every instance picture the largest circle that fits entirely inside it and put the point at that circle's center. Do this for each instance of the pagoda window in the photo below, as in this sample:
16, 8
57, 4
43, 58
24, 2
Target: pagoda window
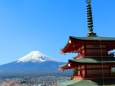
96, 52
98, 72
97, 66
95, 46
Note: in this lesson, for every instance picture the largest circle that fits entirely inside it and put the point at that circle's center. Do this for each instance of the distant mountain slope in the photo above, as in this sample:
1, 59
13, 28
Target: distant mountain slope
34, 62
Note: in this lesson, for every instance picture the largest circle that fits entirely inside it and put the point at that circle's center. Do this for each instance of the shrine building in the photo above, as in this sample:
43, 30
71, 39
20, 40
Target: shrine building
93, 64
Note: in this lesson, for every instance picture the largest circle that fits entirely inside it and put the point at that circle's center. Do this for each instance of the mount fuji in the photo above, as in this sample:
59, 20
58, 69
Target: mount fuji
36, 56
33, 63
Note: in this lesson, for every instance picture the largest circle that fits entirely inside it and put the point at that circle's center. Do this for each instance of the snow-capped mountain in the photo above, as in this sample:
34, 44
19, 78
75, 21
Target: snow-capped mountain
36, 56
33, 63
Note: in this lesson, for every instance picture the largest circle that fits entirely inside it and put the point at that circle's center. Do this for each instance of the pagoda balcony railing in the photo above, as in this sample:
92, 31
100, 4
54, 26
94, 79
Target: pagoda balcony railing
112, 54
99, 75
93, 76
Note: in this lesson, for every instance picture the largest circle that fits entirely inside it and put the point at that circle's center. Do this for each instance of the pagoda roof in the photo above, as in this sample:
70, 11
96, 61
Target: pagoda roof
75, 42
87, 61
89, 82
94, 60
94, 38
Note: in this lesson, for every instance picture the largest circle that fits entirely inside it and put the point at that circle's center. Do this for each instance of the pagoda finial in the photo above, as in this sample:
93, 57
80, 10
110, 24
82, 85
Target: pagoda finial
90, 20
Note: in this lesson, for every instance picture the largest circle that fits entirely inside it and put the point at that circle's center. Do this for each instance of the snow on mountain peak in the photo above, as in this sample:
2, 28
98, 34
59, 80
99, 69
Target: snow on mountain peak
35, 56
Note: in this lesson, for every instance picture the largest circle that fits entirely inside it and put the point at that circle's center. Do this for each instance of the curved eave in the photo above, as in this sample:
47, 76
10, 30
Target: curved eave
69, 65
66, 48
70, 47
64, 67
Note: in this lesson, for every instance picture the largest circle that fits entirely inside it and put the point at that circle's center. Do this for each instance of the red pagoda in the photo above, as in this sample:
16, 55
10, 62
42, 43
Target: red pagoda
93, 64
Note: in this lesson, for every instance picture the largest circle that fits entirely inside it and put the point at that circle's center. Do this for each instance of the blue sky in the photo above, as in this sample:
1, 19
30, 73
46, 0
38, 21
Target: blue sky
45, 25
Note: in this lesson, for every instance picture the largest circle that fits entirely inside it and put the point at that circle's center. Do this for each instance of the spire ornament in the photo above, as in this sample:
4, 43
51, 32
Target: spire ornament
90, 19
